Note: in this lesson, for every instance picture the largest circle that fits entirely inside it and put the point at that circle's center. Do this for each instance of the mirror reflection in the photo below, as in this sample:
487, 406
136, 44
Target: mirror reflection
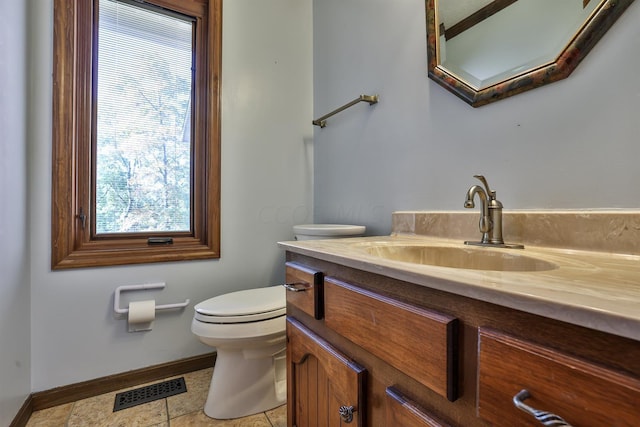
486, 50
484, 42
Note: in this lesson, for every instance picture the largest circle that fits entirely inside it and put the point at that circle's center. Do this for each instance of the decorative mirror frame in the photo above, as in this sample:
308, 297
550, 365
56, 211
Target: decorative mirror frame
567, 61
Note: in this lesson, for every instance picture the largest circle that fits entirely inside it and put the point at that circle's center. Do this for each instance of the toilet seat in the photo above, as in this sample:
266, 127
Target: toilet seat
252, 305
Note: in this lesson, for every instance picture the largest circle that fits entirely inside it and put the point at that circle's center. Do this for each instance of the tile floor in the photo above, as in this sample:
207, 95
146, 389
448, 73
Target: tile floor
181, 410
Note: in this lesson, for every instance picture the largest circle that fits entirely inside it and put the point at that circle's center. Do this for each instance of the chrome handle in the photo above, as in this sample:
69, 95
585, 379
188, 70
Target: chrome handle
297, 286
346, 413
546, 418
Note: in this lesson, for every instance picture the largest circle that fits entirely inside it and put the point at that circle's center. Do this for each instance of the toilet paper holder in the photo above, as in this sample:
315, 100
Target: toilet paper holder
146, 286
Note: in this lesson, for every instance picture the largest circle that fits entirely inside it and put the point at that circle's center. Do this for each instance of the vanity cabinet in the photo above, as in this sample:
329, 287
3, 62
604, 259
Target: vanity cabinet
419, 357
363, 338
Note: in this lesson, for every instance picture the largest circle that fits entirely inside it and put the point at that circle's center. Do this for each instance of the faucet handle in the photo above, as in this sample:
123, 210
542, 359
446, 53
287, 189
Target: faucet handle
490, 193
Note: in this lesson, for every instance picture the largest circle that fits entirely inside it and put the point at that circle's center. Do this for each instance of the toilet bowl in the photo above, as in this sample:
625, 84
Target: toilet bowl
247, 328
327, 231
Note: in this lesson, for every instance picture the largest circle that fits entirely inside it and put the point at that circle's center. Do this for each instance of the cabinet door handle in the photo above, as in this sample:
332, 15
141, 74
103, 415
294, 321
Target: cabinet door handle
346, 413
297, 286
546, 418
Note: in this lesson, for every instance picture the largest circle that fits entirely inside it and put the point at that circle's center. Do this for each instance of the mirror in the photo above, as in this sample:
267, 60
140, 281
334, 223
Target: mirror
487, 50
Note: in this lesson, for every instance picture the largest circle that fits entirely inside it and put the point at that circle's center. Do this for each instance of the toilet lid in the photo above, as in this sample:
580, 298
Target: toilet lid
250, 305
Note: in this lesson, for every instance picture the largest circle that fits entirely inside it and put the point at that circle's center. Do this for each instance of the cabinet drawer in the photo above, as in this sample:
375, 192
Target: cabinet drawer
401, 411
582, 393
304, 289
419, 342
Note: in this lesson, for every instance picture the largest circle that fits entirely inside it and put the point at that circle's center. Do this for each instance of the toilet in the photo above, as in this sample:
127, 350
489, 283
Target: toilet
327, 231
247, 329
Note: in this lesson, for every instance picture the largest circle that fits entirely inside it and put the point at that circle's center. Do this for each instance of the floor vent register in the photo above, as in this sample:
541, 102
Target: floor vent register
149, 393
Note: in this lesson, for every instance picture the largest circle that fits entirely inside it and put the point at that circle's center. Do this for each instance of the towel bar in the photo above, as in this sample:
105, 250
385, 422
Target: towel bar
371, 99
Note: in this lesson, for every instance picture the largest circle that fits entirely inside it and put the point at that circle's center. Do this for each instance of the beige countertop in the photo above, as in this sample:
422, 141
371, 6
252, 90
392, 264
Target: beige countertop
598, 290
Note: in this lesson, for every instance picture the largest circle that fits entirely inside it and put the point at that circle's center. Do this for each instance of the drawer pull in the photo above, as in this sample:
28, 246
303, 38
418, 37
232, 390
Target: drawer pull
346, 413
546, 418
297, 286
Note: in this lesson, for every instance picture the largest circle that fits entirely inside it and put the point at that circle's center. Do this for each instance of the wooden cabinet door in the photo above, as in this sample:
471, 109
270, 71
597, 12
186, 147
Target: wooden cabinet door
321, 382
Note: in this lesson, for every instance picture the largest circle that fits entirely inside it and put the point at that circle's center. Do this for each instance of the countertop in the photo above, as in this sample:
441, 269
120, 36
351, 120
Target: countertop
596, 290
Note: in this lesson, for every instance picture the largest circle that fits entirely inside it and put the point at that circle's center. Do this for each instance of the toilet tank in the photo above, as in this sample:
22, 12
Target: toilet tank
327, 231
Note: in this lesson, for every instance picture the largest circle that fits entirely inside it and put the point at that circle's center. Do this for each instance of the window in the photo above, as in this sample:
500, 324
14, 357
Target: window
142, 144
136, 132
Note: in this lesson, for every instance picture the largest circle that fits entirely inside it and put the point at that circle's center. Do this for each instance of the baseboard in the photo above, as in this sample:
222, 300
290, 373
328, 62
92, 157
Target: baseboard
22, 417
71, 393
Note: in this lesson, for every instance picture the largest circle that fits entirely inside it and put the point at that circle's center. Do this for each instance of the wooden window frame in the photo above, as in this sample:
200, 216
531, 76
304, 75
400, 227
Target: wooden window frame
74, 246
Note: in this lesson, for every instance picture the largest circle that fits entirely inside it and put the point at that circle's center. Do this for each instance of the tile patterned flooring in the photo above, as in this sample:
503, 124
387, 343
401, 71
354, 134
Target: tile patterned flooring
182, 410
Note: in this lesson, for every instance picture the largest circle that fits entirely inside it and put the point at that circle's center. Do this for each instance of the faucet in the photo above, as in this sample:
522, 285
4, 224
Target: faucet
491, 218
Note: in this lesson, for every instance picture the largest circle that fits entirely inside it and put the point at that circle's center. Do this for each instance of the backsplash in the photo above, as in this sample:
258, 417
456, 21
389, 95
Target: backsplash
603, 231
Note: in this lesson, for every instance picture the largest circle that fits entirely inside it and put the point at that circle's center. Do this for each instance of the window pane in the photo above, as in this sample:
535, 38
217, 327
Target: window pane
143, 137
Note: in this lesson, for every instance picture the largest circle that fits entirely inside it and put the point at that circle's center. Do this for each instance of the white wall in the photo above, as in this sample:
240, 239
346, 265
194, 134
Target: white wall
571, 145
266, 188
14, 263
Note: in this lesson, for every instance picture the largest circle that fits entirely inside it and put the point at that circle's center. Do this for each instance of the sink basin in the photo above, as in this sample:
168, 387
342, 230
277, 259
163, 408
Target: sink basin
461, 257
